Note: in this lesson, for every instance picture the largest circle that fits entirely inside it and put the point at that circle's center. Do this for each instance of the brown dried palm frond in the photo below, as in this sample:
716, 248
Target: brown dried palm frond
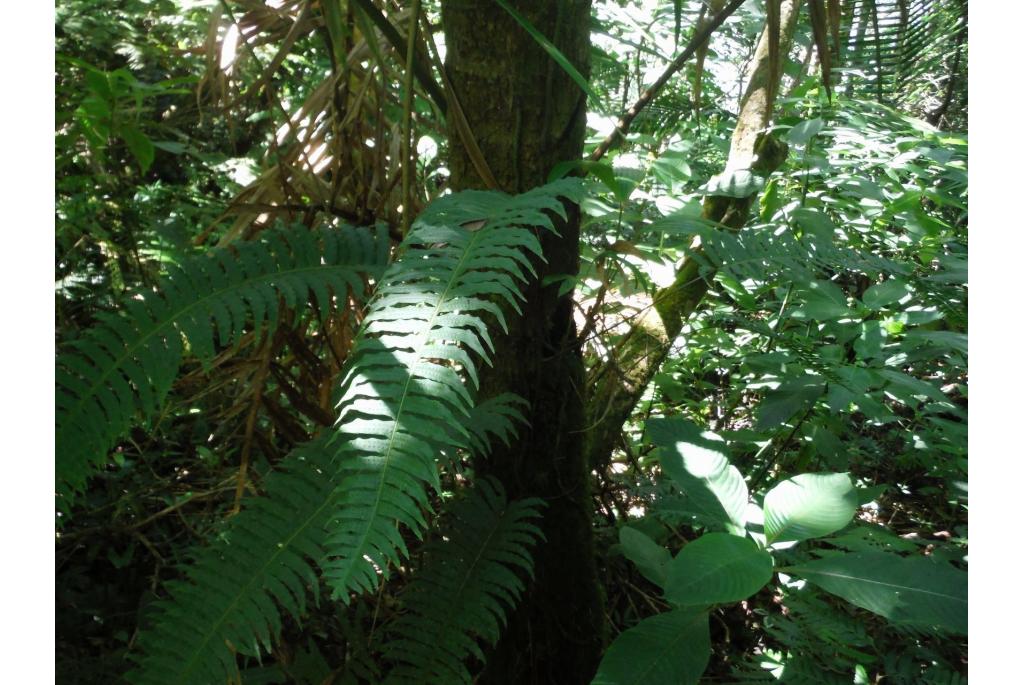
329, 157
333, 156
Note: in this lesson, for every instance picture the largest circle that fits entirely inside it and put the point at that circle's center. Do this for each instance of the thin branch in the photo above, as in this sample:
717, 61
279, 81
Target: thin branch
648, 95
408, 164
259, 382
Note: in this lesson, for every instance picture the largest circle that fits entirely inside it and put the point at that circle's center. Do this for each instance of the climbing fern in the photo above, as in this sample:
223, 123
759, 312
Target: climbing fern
338, 504
126, 364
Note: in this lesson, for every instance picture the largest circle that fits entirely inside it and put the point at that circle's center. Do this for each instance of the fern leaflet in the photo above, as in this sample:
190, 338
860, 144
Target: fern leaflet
127, 363
467, 583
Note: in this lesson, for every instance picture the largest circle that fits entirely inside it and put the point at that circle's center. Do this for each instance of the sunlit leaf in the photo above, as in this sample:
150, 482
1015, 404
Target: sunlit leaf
696, 461
716, 568
810, 505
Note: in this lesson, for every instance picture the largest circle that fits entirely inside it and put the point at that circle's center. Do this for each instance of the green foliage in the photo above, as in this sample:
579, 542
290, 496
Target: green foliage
237, 587
555, 54
337, 504
722, 567
716, 568
125, 365
916, 591
810, 505
651, 558
824, 373
469, 582
696, 461
113, 107
672, 647
424, 321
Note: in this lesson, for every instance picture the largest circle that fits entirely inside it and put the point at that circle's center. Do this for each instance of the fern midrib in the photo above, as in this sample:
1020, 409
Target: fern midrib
405, 394
82, 400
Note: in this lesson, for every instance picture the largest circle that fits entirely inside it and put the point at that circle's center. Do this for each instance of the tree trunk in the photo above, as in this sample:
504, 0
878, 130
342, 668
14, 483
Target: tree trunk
527, 115
621, 381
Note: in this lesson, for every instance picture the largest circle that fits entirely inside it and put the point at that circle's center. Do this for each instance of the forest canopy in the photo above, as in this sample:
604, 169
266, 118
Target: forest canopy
511, 341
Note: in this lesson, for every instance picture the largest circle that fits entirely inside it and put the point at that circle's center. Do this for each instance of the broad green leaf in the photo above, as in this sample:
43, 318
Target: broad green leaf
771, 200
862, 187
804, 131
949, 340
736, 290
671, 167
823, 301
140, 146
781, 404
175, 148
917, 591
868, 344
885, 293
651, 558
809, 506
915, 388
866, 537
672, 648
600, 170
697, 462
629, 171
680, 223
715, 568
814, 221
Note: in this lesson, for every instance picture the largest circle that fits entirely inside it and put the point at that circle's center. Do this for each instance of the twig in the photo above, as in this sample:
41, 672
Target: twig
259, 381
648, 95
408, 165
756, 481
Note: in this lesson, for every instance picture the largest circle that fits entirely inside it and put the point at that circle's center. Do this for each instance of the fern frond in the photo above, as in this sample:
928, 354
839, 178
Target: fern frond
237, 588
337, 503
126, 364
495, 417
404, 381
468, 583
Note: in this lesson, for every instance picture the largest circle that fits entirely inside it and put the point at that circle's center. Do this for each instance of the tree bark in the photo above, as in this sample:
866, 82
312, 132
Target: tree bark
527, 115
619, 383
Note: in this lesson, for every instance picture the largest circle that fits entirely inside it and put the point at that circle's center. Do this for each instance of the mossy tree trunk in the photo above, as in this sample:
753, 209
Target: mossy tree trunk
527, 115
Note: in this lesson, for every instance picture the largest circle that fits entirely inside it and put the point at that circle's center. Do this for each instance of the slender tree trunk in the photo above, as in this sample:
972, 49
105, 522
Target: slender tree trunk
620, 382
527, 115
935, 116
